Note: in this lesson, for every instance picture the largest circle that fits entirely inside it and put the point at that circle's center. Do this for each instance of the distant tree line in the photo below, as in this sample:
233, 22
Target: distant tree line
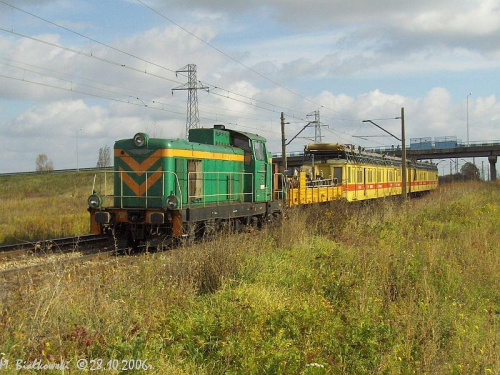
44, 164
468, 172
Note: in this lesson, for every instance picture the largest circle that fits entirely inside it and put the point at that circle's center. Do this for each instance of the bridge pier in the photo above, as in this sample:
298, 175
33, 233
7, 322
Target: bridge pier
493, 167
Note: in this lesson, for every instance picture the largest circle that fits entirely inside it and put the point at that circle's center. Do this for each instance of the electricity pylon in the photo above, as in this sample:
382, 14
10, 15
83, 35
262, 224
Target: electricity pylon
192, 86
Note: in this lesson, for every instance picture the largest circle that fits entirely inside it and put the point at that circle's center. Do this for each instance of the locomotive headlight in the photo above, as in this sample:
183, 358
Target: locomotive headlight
140, 139
94, 201
172, 202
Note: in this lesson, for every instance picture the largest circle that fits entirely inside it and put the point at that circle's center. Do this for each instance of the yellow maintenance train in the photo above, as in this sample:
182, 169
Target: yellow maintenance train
334, 172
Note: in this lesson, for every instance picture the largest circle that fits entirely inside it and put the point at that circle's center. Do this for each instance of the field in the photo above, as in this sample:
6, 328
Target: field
380, 288
43, 206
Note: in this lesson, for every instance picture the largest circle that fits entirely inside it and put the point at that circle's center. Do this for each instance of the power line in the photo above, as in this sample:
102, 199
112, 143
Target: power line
135, 91
234, 59
113, 48
87, 37
192, 87
88, 55
137, 70
124, 102
91, 55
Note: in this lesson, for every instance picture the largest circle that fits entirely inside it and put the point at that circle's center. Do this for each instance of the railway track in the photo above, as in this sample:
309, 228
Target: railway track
50, 246
56, 252
56, 262
32, 255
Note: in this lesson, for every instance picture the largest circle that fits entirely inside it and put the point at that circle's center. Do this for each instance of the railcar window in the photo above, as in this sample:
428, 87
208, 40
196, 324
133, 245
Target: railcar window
337, 173
260, 153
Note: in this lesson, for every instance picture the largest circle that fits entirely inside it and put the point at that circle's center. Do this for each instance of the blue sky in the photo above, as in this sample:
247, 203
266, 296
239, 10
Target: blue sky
352, 60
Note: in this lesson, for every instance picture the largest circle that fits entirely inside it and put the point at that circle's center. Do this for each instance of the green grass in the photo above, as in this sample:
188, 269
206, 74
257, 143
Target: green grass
382, 288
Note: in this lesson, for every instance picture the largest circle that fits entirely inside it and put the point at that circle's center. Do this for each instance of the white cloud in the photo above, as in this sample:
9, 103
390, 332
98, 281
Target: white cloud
51, 128
364, 39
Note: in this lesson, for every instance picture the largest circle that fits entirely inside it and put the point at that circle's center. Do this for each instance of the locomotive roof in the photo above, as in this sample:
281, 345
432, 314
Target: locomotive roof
155, 143
182, 144
253, 137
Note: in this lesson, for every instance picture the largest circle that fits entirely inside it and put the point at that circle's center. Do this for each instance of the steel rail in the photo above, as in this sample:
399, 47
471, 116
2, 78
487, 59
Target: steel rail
55, 243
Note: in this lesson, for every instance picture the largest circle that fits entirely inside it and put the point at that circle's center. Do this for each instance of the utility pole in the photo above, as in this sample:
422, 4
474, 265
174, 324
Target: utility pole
283, 144
403, 148
192, 87
403, 153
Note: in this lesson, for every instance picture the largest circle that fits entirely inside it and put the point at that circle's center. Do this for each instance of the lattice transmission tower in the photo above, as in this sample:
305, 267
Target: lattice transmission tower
192, 86
318, 138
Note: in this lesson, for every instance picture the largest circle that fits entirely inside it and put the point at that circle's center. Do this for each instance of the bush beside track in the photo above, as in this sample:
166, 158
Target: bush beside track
355, 289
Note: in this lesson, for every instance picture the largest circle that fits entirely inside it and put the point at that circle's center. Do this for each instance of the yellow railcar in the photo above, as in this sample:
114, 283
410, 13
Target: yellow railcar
338, 172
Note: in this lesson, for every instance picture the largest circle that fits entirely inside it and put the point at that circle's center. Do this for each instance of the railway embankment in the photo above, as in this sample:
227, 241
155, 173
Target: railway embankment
376, 288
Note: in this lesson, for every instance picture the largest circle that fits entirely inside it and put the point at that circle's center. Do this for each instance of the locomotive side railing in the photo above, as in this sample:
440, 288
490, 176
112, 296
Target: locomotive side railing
201, 178
280, 194
104, 193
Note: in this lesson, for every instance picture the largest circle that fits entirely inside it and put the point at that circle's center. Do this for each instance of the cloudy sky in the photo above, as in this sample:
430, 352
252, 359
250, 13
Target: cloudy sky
108, 69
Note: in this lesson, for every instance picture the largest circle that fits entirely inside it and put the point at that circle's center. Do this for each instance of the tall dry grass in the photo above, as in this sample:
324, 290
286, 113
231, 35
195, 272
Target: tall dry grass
380, 288
42, 206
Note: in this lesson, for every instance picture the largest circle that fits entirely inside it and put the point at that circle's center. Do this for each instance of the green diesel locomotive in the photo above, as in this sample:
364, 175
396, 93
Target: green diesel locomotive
166, 188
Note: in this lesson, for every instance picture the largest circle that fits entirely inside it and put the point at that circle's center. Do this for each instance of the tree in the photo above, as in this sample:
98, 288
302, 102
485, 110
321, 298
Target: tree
44, 164
104, 159
470, 172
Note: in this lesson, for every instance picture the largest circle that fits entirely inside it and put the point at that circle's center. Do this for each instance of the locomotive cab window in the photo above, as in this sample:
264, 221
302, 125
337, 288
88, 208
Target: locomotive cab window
242, 142
260, 153
245, 144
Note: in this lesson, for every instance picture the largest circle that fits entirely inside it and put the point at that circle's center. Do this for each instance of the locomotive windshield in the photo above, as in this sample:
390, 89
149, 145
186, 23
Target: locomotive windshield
242, 142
